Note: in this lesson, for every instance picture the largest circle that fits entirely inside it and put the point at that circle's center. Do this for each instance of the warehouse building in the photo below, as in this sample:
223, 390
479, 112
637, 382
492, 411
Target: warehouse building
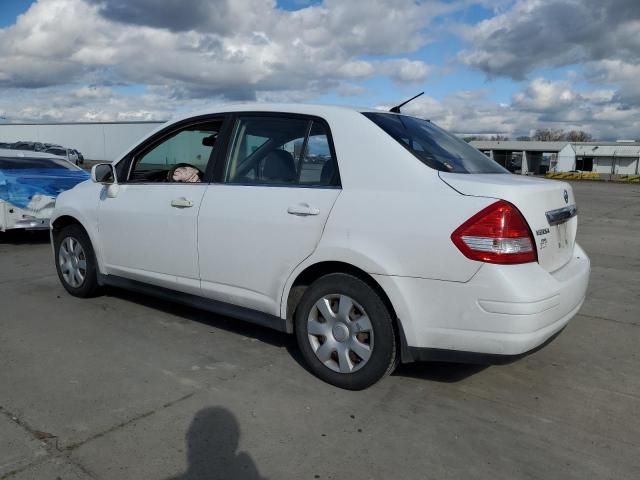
601, 157
536, 158
104, 141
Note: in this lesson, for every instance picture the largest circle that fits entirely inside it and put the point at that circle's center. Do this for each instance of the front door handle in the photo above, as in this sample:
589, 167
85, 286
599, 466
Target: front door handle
303, 210
181, 203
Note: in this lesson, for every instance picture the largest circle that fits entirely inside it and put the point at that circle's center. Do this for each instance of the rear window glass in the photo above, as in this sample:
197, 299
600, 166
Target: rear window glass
25, 163
434, 146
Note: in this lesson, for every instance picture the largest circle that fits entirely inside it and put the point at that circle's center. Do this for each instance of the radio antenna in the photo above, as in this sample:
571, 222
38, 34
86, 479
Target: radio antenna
397, 108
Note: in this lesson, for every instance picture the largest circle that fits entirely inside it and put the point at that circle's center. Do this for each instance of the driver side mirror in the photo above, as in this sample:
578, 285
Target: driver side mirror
104, 173
210, 141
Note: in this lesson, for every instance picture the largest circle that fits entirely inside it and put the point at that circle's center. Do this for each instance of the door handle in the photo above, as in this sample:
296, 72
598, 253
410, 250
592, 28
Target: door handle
181, 203
303, 210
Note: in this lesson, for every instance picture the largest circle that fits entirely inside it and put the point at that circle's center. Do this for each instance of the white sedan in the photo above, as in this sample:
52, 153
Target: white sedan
374, 237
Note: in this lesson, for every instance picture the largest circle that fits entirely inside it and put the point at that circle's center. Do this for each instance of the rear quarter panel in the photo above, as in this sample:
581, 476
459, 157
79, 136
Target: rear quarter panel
394, 211
394, 215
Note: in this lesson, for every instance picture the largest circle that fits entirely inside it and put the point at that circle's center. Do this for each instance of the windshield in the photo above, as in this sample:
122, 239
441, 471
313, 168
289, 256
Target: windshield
27, 163
434, 146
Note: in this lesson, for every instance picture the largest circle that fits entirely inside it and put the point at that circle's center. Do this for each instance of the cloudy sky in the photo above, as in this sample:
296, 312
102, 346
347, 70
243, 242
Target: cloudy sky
487, 66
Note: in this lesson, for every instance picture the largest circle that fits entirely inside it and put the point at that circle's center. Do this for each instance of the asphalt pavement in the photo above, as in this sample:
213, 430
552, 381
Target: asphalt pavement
130, 387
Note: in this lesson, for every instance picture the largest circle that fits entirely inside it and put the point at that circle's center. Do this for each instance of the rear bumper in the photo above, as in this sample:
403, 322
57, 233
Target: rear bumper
504, 310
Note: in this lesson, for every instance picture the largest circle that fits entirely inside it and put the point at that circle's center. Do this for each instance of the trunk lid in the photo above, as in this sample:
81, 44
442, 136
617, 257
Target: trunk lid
545, 204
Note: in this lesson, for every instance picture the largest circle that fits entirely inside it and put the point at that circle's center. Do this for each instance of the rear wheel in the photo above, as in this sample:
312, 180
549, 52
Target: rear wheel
345, 332
75, 261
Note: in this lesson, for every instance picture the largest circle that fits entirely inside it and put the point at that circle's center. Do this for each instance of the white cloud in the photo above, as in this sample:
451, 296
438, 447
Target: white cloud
551, 33
191, 51
228, 48
545, 96
404, 70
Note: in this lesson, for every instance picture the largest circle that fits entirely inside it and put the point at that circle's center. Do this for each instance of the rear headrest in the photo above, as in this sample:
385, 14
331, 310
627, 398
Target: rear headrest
279, 165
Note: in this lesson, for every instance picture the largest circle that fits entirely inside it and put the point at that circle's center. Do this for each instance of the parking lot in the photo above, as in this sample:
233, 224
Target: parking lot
129, 387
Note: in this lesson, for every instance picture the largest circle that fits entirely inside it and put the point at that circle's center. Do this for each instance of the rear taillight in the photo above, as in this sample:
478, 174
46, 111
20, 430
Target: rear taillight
497, 234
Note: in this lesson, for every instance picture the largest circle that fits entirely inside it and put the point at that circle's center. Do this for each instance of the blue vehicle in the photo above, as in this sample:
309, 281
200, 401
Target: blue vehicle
29, 185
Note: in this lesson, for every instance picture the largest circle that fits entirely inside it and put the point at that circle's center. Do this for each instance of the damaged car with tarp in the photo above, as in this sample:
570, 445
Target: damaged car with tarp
29, 185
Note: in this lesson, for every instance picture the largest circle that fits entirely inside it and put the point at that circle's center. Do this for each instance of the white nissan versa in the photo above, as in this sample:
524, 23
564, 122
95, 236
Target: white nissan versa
375, 237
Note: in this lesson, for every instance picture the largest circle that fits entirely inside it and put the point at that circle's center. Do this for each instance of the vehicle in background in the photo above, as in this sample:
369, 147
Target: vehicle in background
67, 153
29, 185
374, 237
71, 154
80, 156
31, 146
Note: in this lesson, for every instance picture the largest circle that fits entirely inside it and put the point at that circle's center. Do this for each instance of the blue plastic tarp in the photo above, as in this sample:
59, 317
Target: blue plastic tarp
19, 186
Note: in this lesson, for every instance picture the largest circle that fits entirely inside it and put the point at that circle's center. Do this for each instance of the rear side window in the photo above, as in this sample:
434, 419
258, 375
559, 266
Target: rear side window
434, 146
280, 151
317, 165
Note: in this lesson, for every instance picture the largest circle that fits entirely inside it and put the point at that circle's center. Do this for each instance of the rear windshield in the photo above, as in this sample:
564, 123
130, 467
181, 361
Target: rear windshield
24, 163
433, 146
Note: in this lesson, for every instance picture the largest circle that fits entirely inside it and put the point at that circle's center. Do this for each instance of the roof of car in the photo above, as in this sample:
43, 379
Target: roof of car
11, 153
301, 108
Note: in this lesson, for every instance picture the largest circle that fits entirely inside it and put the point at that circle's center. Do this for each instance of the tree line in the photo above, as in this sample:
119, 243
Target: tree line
542, 134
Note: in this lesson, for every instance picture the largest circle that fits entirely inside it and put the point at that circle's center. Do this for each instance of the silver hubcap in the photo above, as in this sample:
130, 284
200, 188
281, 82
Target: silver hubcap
340, 333
72, 261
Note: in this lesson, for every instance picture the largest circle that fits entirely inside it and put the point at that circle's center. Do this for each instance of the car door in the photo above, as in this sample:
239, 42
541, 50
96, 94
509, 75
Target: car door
149, 229
266, 212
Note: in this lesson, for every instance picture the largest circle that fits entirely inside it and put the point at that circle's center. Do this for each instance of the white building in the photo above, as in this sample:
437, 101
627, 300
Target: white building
96, 140
534, 157
600, 157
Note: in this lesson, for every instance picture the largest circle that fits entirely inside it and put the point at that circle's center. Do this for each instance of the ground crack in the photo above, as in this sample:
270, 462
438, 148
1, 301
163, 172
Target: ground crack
74, 446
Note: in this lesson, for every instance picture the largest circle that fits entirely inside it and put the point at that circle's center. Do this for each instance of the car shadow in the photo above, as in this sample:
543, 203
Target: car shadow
442, 372
432, 371
239, 327
212, 443
24, 237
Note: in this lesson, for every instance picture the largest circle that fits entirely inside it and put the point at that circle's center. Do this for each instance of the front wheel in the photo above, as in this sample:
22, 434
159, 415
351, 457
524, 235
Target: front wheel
345, 332
75, 261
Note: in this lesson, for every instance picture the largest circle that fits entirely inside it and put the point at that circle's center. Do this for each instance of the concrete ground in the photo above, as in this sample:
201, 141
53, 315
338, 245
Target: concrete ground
128, 387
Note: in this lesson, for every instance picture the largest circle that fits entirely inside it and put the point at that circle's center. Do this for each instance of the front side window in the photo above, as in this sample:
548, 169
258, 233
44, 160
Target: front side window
434, 146
280, 151
181, 157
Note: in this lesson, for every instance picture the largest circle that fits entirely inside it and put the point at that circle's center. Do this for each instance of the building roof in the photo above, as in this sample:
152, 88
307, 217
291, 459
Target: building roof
519, 145
582, 149
607, 149
619, 143
115, 122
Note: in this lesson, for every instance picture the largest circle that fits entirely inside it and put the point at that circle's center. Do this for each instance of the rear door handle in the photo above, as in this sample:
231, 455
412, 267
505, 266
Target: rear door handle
303, 210
181, 203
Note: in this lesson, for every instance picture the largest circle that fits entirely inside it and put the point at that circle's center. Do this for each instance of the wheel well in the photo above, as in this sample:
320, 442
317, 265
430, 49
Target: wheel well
314, 272
64, 221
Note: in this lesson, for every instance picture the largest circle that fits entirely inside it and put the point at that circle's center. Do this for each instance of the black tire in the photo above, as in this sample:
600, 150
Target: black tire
89, 286
382, 359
